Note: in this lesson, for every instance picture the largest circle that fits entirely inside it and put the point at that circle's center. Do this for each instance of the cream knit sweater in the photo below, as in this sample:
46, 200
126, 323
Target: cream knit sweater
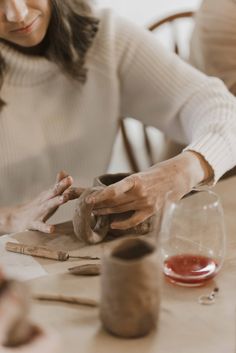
52, 123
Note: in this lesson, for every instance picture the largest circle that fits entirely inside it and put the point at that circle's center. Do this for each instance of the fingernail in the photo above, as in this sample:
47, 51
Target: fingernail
70, 178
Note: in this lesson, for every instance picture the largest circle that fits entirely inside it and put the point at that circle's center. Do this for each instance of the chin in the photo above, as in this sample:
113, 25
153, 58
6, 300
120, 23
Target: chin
30, 42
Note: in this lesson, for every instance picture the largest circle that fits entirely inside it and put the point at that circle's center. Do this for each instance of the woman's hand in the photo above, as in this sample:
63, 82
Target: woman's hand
35, 213
145, 192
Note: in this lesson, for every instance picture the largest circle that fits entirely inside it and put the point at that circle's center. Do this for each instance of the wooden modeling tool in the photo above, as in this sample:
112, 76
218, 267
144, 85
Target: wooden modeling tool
44, 252
66, 299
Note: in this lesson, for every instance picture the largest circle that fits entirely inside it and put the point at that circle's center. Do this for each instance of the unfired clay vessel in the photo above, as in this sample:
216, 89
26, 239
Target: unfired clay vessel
130, 288
93, 229
17, 332
15, 328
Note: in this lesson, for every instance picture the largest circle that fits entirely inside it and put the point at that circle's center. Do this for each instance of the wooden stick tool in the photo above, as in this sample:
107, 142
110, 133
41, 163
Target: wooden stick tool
66, 299
44, 252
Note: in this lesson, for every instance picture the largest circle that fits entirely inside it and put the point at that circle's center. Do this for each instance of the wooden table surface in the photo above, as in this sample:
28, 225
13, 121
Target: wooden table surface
184, 325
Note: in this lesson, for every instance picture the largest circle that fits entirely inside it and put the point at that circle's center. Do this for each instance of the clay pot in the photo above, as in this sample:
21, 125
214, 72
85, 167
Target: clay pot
89, 228
130, 288
17, 333
93, 229
42, 342
15, 328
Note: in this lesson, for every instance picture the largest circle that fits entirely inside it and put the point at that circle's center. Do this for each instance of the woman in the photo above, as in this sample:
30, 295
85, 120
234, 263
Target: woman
213, 44
68, 72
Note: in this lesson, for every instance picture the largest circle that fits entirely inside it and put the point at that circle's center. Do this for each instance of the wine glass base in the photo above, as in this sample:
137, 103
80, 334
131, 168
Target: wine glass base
186, 284
182, 284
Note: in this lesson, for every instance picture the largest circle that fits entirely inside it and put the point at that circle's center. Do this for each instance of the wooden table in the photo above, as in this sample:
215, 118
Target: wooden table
184, 324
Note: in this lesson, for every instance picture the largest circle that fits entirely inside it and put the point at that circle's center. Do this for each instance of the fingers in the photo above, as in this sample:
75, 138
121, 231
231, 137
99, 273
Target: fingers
134, 220
73, 193
129, 206
42, 227
54, 203
63, 186
59, 187
50, 206
61, 175
112, 193
39, 210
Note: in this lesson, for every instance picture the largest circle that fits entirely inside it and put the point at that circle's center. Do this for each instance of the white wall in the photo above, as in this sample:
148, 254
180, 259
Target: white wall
144, 11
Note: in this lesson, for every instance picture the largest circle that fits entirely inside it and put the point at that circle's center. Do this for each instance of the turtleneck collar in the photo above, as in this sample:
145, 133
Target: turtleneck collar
26, 70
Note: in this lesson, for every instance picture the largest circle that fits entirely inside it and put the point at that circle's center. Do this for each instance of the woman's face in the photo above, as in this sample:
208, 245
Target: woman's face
24, 22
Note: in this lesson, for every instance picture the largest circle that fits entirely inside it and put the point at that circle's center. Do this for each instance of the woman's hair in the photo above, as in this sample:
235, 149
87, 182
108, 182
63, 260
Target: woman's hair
70, 34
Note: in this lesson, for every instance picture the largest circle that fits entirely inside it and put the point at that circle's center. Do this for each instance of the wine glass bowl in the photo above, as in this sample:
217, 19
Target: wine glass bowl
192, 238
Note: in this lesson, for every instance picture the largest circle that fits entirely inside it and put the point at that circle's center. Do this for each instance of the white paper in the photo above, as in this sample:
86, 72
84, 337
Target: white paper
22, 267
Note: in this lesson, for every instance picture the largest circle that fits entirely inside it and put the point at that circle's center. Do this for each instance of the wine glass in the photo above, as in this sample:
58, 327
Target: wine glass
192, 238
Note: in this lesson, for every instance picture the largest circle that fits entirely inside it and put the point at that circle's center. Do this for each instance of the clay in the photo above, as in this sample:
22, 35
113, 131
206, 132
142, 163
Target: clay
66, 299
86, 270
93, 229
130, 288
88, 227
142, 228
15, 328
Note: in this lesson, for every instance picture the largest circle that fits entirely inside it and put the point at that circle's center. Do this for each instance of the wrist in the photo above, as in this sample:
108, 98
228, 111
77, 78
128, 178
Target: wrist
198, 168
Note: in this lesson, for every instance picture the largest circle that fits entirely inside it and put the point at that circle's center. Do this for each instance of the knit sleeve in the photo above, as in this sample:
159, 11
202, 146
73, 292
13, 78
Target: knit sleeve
161, 90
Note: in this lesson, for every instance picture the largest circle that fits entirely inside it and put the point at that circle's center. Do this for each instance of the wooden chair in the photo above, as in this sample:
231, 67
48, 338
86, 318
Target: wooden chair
172, 23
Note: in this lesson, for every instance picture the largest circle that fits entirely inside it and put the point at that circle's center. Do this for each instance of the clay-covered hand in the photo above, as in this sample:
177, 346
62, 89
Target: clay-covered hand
34, 214
145, 192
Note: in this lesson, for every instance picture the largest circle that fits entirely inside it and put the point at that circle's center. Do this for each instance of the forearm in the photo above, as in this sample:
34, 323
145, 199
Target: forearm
184, 172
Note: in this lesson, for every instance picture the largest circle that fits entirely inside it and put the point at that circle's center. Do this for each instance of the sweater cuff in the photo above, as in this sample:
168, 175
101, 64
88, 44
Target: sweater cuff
215, 151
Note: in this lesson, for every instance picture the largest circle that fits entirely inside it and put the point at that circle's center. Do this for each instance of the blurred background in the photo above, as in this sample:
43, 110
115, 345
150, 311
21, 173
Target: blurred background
145, 11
